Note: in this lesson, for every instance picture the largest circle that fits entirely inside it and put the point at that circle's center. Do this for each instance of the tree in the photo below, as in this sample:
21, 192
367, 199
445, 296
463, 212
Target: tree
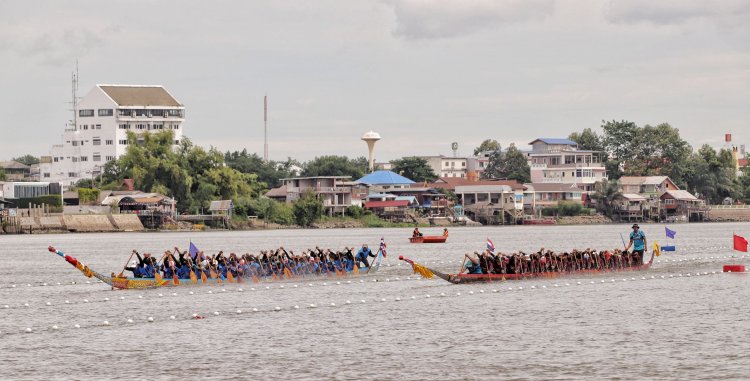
607, 196
511, 165
414, 168
3, 177
187, 173
588, 140
711, 175
307, 209
335, 166
27, 159
487, 146
269, 173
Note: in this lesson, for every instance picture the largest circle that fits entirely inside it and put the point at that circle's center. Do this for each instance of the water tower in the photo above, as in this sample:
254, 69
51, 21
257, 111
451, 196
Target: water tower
370, 138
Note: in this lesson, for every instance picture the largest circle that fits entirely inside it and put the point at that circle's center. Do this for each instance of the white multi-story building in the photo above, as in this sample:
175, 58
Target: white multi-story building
560, 161
98, 133
445, 166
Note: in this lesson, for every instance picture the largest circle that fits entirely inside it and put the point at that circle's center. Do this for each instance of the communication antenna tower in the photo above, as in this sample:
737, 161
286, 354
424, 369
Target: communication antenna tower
265, 128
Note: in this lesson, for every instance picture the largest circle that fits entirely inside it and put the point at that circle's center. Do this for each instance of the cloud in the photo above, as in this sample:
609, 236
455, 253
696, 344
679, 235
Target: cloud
437, 19
674, 12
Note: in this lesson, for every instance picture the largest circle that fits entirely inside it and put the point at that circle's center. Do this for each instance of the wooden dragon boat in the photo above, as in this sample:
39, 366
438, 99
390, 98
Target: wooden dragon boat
429, 239
126, 283
429, 273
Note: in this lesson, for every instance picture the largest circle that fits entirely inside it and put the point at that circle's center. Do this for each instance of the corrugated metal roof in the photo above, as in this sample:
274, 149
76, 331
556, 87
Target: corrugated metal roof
277, 192
385, 204
12, 164
680, 195
555, 141
131, 95
385, 178
220, 205
633, 197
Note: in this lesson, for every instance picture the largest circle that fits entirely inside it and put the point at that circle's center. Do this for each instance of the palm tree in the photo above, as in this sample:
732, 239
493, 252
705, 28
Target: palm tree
607, 196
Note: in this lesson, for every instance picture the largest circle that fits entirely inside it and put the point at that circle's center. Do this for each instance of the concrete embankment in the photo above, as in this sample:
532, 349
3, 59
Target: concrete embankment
729, 215
79, 223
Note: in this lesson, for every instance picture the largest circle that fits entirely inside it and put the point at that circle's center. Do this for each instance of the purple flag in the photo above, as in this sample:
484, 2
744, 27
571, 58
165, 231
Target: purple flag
193, 250
670, 233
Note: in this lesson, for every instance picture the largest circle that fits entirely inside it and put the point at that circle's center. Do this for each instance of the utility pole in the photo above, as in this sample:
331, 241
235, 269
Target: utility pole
265, 128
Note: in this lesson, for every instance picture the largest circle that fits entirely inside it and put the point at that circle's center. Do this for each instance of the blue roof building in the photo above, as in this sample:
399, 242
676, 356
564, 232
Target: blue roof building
385, 180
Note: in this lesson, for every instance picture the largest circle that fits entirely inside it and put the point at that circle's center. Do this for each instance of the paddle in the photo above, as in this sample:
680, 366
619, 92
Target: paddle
126, 264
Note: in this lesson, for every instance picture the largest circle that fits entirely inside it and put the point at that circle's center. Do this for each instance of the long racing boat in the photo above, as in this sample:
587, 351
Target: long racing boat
123, 282
429, 273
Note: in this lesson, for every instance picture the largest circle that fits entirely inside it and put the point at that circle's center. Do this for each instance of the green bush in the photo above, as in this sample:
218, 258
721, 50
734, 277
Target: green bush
307, 209
568, 208
355, 211
87, 195
51, 200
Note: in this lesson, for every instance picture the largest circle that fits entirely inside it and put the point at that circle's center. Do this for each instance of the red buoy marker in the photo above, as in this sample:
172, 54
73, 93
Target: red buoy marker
734, 268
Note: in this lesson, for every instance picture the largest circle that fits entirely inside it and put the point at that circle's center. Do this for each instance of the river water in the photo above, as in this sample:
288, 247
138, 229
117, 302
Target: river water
681, 319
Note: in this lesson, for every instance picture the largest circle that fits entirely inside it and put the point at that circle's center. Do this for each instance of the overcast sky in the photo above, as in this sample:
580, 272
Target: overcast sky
421, 73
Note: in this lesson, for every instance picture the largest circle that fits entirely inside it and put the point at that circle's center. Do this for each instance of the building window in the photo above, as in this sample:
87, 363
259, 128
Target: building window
97, 157
446, 164
74, 143
109, 142
176, 126
158, 127
141, 126
72, 174
84, 158
463, 163
106, 112
85, 126
55, 159
85, 113
110, 158
123, 112
123, 142
96, 141
74, 159
98, 127
46, 174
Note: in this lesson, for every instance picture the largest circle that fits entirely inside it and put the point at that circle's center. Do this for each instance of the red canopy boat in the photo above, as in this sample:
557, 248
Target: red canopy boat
429, 273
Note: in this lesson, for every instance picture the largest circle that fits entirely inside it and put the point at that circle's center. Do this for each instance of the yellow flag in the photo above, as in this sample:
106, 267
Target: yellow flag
656, 249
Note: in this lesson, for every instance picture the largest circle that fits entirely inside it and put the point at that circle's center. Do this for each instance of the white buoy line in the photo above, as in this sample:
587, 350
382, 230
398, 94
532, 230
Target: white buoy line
282, 287
276, 309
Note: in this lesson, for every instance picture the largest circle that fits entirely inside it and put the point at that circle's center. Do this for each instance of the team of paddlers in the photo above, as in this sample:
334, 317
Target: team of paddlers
545, 261
270, 263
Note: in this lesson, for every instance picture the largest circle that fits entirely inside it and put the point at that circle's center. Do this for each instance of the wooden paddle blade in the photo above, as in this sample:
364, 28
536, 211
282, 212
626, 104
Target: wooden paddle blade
175, 280
355, 270
193, 278
287, 273
204, 278
255, 279
212, 273
230, 277
158, 278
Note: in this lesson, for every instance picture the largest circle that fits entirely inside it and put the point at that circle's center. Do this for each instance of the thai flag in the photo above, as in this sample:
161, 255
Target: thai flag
193, 251
382, 246
490, 246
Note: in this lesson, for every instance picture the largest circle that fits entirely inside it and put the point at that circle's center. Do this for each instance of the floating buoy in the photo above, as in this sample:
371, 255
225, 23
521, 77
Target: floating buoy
106, 299
398, 299
77, 326
255, 310
494, 290
336, 283
129, 321
122, 298
295, 286
296, 307
348, 302
282, 286
172, 317
471, 292
160, 295
442, 294
733, 268
382, 300
150, 319
210, 292
48, 304
105, 322
84, 300
277, 309
54, 327
28, 330
140, 296
67, 302
191, 293
216, 313
325, 284
333, 304
427, 296
174, 294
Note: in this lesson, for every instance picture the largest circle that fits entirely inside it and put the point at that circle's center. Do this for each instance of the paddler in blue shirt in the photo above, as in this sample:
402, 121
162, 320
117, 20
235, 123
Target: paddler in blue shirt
471, 266
638, 242
362, 255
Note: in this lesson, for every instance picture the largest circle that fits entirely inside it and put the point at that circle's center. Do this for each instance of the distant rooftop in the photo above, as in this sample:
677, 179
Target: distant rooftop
384, 178
136, 95
555, 141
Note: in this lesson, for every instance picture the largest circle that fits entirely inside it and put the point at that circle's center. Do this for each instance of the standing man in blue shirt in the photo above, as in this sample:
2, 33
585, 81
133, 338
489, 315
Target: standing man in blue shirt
638, 242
